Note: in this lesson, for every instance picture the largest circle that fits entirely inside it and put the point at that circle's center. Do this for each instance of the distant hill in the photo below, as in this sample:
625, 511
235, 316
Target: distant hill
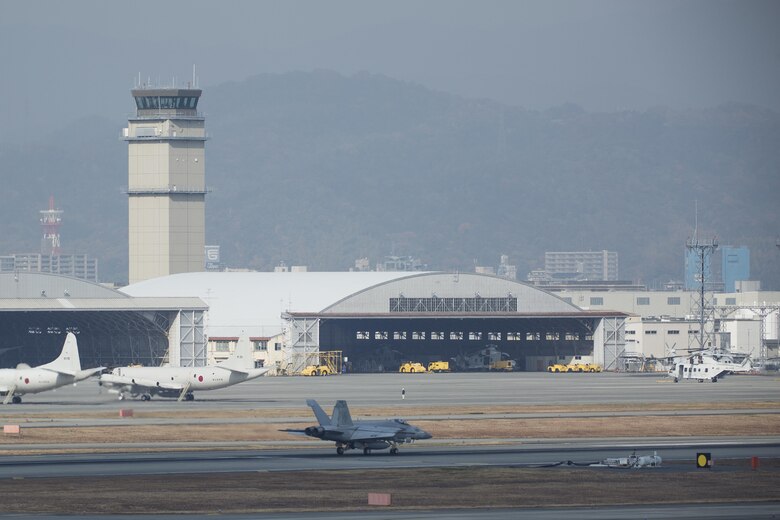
320, 169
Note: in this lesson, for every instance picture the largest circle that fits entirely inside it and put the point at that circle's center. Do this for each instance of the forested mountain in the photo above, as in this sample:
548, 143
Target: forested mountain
320, 169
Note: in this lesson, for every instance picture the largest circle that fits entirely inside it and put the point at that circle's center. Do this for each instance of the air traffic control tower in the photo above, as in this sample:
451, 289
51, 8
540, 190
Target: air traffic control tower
166, 183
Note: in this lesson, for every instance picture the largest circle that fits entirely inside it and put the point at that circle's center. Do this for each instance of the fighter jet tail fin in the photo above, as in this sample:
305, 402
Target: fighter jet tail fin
68, 361
341, 416
322, 417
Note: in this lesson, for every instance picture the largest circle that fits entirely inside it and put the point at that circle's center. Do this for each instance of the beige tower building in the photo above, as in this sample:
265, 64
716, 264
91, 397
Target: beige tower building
166, 183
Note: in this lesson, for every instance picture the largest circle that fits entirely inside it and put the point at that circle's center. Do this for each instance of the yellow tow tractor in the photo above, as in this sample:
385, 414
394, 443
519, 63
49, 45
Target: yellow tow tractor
502, 365
557, 367
583, 367
439, 366
412, 367
316, 370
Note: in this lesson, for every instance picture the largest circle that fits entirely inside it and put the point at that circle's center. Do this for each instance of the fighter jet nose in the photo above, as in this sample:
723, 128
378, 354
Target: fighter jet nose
424, 435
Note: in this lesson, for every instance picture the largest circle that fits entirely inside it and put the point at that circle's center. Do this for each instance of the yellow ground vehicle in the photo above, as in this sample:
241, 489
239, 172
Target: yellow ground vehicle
574, 367
316, 370
439, 366
412, 367
505, 365
583, 367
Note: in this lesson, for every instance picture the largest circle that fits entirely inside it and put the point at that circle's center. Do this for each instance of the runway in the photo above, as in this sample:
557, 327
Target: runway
419, 456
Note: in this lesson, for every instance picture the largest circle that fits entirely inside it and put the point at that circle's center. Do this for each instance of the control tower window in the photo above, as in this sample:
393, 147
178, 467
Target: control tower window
166, 102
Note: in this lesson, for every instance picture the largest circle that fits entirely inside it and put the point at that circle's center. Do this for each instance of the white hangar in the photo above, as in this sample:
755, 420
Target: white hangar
376, 318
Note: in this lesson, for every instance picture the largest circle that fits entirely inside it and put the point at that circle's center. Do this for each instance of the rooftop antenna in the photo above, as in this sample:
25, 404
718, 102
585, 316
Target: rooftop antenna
194, 83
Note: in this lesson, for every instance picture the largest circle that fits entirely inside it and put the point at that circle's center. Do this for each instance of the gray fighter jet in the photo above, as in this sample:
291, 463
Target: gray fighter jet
369, 435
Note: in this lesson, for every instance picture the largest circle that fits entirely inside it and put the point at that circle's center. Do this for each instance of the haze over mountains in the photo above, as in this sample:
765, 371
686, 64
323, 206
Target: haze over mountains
318, 168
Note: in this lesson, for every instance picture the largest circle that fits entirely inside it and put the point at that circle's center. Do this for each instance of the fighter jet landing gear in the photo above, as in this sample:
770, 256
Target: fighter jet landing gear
340, 450
189, 396
393, 451
16, 399
146, 397
366, 451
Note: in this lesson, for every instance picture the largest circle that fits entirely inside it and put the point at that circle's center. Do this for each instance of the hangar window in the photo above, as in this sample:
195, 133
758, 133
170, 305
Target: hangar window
533, 336
437, 334
513, 336
589, 337
552, 336
651, 332
596, 300
418, 335
673, 300
643, 300
362, 334
380, 334
399, 334
261, 345
475, 336
435, 304
222, 346
277, 346
494, 336
674, 332
456, 336
630, 332
571, 336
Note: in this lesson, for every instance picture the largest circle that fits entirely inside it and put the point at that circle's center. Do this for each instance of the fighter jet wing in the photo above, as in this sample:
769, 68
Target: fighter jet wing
364, 433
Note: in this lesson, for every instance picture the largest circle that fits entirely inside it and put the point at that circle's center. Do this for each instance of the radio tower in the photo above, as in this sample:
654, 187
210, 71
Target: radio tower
50, 221
702, 306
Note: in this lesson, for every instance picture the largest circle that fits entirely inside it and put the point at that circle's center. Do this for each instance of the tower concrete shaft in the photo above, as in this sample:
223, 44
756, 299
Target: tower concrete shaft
166, 183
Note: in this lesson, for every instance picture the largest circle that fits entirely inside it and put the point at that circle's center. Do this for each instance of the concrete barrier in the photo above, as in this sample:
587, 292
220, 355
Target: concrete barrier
379, 499
126, 412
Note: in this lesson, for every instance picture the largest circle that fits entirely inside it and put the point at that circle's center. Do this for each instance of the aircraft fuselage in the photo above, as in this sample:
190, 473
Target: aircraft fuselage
33, 380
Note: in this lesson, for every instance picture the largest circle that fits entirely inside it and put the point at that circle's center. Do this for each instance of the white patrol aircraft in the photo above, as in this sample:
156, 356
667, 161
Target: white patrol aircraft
180, 382
66, 369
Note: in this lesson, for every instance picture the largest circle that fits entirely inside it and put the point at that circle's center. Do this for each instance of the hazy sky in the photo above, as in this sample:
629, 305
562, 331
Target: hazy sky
79, 57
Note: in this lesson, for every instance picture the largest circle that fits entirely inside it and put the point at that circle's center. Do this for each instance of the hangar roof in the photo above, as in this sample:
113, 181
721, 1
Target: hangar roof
101, 304
254, 302
26, 291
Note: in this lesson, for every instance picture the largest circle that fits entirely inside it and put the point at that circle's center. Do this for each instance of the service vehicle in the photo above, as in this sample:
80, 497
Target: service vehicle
316, 370
412, 367
503, 365
583, 367
439, 366
557, 367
